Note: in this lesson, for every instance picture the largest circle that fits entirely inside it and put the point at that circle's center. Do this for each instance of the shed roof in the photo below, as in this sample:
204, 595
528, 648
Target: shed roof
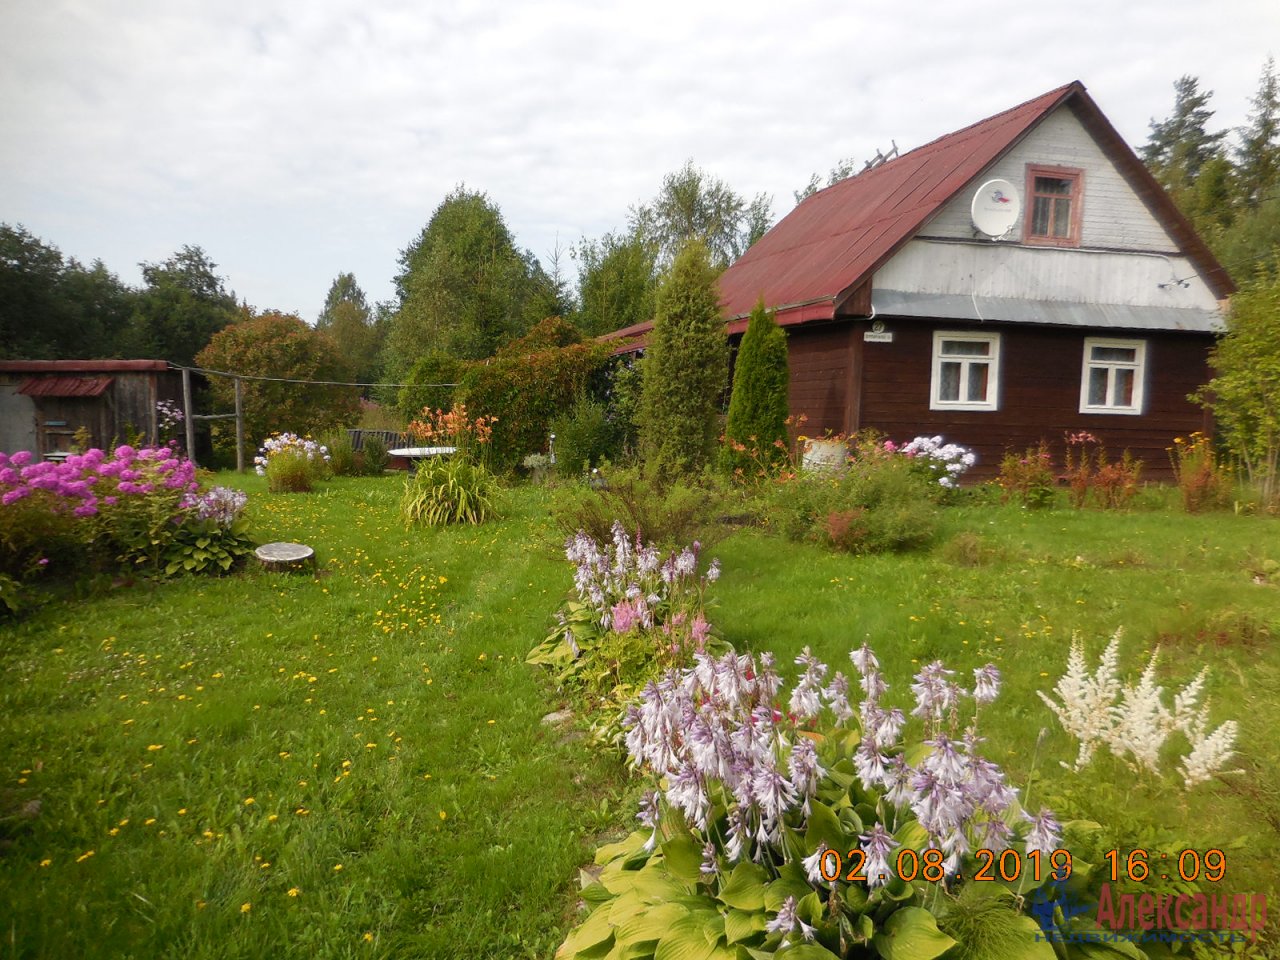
820, 253
81, 366
65, 386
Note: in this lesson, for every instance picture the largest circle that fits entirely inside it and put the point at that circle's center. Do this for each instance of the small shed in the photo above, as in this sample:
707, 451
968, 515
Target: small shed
44, 403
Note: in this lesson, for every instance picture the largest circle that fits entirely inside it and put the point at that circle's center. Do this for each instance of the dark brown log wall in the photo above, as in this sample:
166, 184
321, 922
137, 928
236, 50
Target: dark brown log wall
1040, 370
819, 359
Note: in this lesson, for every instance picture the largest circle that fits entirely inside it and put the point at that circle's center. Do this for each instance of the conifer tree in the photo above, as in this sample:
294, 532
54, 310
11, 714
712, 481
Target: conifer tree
758, 407
684, 369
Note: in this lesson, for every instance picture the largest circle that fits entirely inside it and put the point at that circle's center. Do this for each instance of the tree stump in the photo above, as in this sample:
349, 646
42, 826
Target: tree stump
286, 557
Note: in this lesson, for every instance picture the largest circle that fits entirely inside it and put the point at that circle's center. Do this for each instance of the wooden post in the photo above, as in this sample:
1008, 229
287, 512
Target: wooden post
187, 416
239, 430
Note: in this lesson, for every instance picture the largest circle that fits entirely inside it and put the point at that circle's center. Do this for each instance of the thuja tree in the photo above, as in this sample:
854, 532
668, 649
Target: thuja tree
1245, 392
756, 433
685, 368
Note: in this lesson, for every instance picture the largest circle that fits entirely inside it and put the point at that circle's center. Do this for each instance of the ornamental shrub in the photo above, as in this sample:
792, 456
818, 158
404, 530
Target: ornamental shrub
424, 384
685, 369
526, 391
375, 455
291, 464
756, 431
584, 437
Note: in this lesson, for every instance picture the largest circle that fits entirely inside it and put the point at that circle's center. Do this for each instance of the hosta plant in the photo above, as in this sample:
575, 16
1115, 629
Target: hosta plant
801, 826
635, 612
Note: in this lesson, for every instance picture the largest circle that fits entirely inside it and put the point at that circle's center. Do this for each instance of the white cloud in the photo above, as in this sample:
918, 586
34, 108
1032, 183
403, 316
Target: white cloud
294, 141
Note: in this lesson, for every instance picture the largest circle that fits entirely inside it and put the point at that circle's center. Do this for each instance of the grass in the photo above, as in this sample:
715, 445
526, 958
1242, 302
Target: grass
352, 763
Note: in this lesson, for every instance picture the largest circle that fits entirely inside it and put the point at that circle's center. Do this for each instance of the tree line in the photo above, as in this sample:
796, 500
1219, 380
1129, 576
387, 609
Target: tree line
464, 287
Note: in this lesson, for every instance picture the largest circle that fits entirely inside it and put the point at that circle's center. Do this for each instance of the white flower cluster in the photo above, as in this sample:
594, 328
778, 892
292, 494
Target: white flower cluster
949, 461
1132, 720
220, 504
288, 443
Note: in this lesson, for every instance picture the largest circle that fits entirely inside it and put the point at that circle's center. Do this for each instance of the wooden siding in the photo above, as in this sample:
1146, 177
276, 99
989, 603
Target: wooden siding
985, 269
820, 361
1040, 371
1113, 215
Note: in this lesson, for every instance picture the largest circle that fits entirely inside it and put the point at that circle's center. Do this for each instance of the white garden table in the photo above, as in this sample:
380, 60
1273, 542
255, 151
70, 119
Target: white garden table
415, 455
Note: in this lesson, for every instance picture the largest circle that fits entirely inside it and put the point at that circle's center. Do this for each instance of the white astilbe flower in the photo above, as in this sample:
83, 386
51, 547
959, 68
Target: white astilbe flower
1208, 754
1141, 723
1087, 701
1133, 721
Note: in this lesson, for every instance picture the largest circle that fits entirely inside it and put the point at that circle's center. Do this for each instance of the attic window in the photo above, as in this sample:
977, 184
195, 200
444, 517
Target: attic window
1053, 205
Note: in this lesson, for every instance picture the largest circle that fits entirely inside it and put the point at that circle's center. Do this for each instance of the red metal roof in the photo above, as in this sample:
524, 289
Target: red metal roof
840, 235
834, 240
65, 386
81, 366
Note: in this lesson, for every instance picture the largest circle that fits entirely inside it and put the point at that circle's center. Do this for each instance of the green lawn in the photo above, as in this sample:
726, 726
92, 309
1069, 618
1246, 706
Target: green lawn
352, 763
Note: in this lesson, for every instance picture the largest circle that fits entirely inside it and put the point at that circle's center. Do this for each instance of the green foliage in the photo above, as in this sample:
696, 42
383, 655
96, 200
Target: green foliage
1179, 146
182, 306
279, 345
445, 490
343, 459
292, 471
206, 546
526, 391
1204, 481
877, 505
349, 322
424, 384
1244, 393
667, 513
13, 596
692, 205
1028, 477
685, 369
617, 281
756, 431
463, 287
53, 308
584, 437
375, 455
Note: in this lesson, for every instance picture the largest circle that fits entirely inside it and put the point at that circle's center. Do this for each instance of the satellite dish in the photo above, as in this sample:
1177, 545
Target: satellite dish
996, 208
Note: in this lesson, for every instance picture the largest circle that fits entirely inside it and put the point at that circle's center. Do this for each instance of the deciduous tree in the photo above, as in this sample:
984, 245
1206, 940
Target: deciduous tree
183, 305
463, 286
694, 205
280, 345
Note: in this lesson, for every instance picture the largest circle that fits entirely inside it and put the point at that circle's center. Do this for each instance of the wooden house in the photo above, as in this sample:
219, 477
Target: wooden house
43, 403
1019, 279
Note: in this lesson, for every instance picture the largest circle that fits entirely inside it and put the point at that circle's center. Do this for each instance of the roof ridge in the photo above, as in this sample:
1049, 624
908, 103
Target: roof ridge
1054, 94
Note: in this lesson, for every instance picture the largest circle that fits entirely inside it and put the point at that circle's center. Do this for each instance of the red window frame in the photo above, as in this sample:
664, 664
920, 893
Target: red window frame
1076, 176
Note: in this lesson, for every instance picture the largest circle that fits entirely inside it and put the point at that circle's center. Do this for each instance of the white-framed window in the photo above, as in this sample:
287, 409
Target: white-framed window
1113, 375
966, 371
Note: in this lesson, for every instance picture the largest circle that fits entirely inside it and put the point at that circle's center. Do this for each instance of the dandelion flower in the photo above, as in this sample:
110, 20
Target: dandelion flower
294, 891
246, 907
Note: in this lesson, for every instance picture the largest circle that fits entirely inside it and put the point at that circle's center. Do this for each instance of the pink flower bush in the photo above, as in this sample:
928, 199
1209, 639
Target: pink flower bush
84, 482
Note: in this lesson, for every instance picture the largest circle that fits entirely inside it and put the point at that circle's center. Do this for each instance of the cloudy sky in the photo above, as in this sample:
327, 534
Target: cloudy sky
294, 141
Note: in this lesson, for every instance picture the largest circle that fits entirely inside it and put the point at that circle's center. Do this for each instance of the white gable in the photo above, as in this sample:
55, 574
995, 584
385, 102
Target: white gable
1126, 272
1113, 216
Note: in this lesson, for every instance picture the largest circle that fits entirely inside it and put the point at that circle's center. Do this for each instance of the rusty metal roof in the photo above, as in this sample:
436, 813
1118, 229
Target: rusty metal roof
839, 236
81, 366
832, 242
65, 386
